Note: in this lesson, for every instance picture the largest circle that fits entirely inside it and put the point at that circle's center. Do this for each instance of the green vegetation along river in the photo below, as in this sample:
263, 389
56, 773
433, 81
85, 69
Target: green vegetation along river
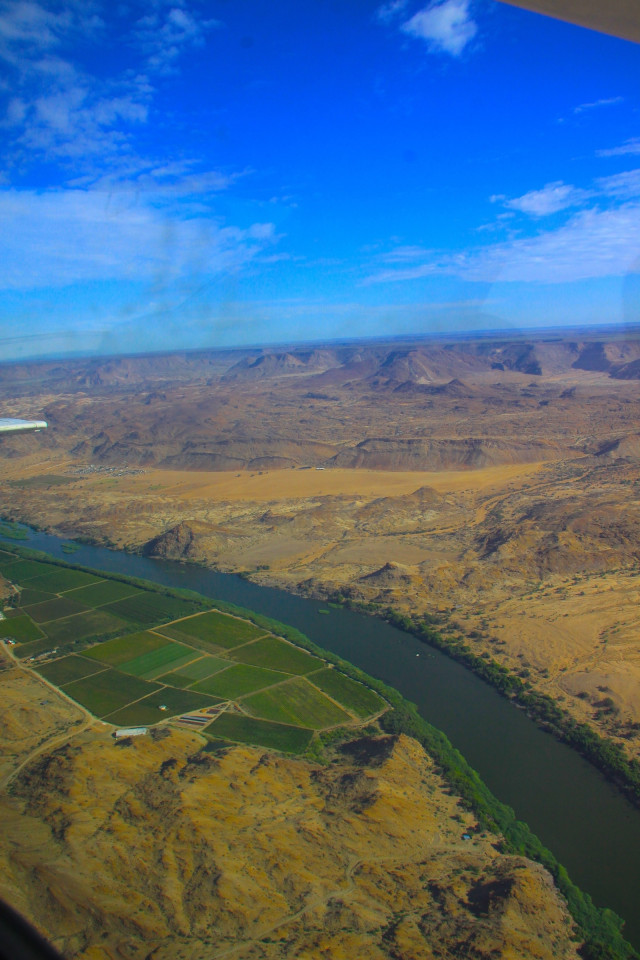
589, 826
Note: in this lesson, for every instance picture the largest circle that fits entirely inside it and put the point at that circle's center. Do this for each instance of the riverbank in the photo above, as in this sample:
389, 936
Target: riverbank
605, 755
601, 929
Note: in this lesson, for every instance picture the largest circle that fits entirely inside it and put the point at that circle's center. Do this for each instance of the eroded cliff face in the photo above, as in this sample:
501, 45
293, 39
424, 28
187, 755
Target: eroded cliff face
154, 849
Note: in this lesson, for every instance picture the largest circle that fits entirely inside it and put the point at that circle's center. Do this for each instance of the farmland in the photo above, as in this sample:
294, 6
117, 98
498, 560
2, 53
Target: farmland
277, 736
296, 702
214, 629
131, 656
277, 654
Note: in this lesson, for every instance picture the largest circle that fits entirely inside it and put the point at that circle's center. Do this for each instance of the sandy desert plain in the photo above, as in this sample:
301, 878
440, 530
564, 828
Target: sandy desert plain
494, 482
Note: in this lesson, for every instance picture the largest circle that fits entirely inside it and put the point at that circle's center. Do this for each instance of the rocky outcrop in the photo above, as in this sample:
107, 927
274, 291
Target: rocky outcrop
176, 544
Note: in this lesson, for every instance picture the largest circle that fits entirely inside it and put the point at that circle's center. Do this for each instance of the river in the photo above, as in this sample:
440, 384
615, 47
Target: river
590, 827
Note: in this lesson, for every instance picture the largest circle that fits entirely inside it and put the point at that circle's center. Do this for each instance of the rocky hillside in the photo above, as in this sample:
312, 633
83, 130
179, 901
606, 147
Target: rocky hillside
153, 849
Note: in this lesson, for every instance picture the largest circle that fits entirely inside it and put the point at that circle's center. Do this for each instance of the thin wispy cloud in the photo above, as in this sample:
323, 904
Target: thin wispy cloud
61, 237
391, 11
597, 104
551, 199
60, 109
630, 147
600, 241
163, 36
447, 27
625, 186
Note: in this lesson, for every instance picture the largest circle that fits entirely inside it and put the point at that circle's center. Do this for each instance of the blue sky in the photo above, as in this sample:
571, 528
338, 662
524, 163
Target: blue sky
185, 174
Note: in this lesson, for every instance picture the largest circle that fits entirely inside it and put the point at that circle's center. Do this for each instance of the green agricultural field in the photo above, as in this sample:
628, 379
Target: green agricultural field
103, 592
296, 702
21, 628
214, 630
34, 647
352, 695
157, 660
94, 624
122, 649
54, 609
199, 669
147, 608
29, 596
174, 679
239, 680
148, 710
277, 654
68, 669
22, 571
105, 692
61, 579
273, 736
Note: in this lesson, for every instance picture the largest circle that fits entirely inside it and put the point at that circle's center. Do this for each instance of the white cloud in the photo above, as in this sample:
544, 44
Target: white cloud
630, 147
593, 243
542, 203
390, 11
446, 26
63, 237
625, 186
604, 102
68, 113
405, 254
164, 36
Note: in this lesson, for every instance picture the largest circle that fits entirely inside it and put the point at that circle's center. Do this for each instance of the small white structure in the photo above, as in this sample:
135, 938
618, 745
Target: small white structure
11, 425
130, 732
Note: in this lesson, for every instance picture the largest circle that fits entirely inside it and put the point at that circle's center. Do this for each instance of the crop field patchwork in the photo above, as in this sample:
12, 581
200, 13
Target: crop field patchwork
54, 609
105, 692
175, 679
147, 607
277, 654
22, 629
298, 703
23, 571
94, 624
199, 669
214, 629
29, 596
354, 696
67, 669
239, 680
157, 660
60, 579
150, 675
122, 649
148, 710
103, 592
274, 736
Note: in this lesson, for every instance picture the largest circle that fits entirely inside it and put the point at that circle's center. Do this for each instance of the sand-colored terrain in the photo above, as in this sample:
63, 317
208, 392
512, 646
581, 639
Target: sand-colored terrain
150, 848
494, 482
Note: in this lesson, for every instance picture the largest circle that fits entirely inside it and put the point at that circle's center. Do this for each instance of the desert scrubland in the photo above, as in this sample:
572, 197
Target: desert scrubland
493, 482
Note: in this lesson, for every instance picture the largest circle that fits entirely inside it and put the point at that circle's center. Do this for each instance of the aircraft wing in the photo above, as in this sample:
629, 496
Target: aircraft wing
11, 425
620, 18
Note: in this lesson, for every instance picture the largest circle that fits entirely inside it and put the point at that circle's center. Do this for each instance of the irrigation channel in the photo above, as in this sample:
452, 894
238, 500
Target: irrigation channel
589, 826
